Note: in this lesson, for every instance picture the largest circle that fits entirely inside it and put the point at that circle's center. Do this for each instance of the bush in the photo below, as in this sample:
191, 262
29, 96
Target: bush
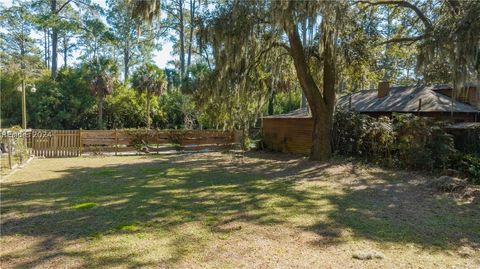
407, 141
470, 165
363, 136
350, 131
14, 140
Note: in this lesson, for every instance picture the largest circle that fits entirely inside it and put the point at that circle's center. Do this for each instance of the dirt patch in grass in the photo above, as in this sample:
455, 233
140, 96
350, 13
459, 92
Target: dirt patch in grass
218, 211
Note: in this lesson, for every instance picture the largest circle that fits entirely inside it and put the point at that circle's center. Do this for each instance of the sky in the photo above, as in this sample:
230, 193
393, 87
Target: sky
161, 57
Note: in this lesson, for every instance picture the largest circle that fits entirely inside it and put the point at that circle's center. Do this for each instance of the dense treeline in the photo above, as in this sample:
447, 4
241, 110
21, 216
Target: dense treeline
93, 65
105, 55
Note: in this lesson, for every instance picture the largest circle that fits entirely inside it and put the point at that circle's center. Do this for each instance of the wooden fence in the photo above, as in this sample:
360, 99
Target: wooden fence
54, 143
71, 143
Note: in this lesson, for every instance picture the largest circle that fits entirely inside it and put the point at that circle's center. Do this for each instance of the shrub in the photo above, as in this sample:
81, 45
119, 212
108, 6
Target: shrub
470, 165
15, 141
408, 141
380, 138
350, 130
363, 136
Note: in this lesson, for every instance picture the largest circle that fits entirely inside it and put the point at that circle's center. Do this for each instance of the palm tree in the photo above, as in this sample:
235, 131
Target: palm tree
101, 76
151, 80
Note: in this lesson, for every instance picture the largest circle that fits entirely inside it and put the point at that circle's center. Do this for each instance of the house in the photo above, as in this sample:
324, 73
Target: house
427, 101
292, 132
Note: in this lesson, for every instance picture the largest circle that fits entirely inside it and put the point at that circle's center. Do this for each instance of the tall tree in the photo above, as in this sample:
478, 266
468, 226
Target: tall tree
95, 39
55, 21
447, 34
20, 59
101, 78
135, 41
151, 80
242, 34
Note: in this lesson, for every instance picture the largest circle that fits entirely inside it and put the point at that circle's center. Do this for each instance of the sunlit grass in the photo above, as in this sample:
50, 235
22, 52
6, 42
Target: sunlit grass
152, 211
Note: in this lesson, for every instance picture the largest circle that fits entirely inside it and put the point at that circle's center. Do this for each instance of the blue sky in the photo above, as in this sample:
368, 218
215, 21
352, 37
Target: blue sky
161, 58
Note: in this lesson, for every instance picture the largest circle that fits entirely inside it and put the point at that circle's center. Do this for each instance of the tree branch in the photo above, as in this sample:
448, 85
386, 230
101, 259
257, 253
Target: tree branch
283, 45
405, 4
454, 6
403, 39
64, 5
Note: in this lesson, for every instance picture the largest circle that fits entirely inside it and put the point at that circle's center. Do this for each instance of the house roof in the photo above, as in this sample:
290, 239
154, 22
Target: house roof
464, 125
297, 113
405, 99
400, 99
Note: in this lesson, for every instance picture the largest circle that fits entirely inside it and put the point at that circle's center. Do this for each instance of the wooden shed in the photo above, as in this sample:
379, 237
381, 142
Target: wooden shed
290, 133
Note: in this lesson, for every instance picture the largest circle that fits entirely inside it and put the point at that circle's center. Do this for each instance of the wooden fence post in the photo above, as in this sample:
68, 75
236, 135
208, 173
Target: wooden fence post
116, 142
80, 142
10, 152
55, 144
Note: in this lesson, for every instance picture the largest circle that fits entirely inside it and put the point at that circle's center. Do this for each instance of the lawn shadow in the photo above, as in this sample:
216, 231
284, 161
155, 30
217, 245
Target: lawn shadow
168, 194
86, 203
403, 208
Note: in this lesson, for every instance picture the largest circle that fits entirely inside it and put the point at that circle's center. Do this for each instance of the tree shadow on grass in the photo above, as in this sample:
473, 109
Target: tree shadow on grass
86, 203
166, 196
402, 208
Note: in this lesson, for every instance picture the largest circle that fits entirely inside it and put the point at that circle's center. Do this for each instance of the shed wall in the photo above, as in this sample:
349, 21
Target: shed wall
290, 135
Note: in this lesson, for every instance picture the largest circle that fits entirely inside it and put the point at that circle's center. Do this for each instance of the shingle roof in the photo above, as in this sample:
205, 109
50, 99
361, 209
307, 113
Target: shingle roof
404, 99
297, 113
400, 99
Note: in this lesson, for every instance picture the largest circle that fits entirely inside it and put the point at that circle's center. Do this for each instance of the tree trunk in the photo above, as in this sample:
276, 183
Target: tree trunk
54, 41
65, 50
303, 100
320, 104
148, 110
321, 137
192, 25
126, 62
182, 40
100, 111
45, 47
270, 103
271, 98
48, 49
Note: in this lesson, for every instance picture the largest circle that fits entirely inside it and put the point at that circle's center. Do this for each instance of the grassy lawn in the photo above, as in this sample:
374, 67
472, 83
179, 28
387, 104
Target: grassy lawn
215, 211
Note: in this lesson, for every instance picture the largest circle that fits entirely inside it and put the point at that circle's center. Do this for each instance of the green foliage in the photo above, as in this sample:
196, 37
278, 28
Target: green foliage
149, 78
62, 104
412, 140
11, 111
407, 141
140, 138
124, 109
360, 135
101, 74
286, 101
177, 111
470, 165
16, 137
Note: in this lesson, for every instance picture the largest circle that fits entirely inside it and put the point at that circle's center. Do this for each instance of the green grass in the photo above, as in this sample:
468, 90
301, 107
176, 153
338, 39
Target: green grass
85, 205
144, 211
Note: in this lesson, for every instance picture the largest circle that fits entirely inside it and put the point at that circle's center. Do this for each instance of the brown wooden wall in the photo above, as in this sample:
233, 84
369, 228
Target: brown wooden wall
290, 135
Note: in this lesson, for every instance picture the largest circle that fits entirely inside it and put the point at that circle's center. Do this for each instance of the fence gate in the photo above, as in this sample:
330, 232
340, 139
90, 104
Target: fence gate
55, 143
